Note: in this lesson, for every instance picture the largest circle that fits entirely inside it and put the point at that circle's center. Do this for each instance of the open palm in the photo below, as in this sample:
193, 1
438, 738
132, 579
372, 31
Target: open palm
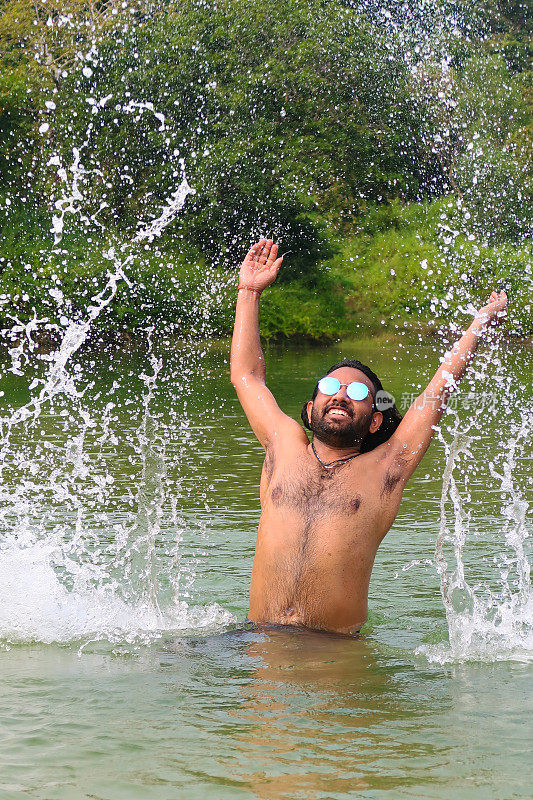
261, 265
495, 312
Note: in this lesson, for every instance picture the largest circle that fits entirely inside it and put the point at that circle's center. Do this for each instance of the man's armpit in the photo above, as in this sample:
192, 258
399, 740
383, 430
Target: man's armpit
396, 471
268, 463
393, 476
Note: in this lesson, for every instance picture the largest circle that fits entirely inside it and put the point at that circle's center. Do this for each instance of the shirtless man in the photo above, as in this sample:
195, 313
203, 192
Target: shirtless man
327, 505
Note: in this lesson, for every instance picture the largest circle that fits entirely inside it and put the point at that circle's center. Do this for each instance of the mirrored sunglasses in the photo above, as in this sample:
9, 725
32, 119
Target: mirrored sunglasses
355, 390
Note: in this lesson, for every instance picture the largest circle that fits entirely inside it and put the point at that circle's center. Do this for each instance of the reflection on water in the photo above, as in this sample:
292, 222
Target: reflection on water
310, 714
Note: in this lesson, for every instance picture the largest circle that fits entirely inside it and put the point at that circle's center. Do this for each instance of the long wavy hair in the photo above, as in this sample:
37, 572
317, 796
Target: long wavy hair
391, 415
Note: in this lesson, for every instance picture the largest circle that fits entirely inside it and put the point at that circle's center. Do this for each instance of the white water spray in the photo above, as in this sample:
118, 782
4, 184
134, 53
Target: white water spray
58, 581
484, 508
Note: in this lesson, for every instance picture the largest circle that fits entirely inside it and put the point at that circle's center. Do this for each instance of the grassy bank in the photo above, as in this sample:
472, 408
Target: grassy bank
413, 266
407, 266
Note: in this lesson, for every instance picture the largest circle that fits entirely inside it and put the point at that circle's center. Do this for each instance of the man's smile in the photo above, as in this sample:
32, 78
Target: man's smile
338, 411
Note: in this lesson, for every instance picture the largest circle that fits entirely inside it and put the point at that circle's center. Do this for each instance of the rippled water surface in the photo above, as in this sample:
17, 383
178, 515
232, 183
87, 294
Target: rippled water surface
121, 681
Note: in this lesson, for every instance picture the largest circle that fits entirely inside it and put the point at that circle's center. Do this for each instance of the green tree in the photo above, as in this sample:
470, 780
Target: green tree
284, 113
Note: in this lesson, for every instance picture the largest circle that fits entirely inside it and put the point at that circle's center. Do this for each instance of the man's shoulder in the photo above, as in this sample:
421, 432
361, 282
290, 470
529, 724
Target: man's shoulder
286, 455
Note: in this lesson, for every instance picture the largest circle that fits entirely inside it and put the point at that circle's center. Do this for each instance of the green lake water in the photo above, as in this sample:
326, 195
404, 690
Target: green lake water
105, 695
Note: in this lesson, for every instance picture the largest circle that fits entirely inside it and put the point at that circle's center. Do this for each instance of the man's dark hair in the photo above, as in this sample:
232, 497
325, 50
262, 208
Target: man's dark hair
391, 415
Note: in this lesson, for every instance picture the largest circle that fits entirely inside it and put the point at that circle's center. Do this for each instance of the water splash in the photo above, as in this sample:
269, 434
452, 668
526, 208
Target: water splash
76, 561
484, 528
37, 606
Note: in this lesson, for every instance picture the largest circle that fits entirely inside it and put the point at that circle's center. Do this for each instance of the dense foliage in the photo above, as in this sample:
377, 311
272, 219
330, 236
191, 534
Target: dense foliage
307, 120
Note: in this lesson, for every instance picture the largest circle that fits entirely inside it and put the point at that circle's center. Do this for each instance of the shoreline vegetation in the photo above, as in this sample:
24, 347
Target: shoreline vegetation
46, 341
391, 156
392, 275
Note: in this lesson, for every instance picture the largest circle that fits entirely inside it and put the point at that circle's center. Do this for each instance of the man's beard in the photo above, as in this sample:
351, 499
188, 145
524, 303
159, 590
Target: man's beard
331, 433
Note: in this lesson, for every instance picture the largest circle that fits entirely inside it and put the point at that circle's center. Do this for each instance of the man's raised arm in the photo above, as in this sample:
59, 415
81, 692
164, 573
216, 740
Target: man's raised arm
412, 437
259, 269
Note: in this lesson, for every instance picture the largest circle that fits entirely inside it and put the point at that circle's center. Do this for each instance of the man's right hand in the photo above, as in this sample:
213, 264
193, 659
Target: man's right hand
268, 422
260, 267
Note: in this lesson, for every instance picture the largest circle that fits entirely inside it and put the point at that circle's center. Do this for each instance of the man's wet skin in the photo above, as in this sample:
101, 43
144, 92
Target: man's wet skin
320, 528
326, 510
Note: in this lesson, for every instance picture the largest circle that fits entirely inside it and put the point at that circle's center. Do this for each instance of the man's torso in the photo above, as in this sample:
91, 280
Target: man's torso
318, 536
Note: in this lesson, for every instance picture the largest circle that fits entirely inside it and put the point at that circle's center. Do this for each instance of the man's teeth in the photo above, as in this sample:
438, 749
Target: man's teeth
338, 412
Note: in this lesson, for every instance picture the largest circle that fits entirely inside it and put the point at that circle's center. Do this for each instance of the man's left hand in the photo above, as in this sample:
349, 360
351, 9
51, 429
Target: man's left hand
495, 312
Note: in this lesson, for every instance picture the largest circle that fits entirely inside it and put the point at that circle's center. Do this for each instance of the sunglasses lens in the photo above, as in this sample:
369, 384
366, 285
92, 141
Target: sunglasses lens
357, 391
329, 385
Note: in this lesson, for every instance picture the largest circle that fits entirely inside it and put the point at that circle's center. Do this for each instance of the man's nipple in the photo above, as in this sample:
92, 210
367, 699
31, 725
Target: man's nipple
276, 493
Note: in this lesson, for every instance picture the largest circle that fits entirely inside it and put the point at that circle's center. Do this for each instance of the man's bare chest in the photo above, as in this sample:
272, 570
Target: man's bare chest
317, 493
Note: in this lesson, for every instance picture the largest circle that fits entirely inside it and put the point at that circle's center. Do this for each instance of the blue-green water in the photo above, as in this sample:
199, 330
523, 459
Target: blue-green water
117, 682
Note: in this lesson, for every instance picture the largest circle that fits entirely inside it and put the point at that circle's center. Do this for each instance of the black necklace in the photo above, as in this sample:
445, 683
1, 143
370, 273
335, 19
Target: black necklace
335, 463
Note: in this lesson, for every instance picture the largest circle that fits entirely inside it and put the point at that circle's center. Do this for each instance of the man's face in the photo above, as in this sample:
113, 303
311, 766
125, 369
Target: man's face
339, 421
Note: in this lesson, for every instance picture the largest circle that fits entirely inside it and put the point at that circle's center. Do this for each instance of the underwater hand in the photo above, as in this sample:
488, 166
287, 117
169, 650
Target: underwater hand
495, 312
261, 266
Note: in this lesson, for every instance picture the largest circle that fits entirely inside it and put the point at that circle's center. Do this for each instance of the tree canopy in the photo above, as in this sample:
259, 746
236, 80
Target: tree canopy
290, 117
